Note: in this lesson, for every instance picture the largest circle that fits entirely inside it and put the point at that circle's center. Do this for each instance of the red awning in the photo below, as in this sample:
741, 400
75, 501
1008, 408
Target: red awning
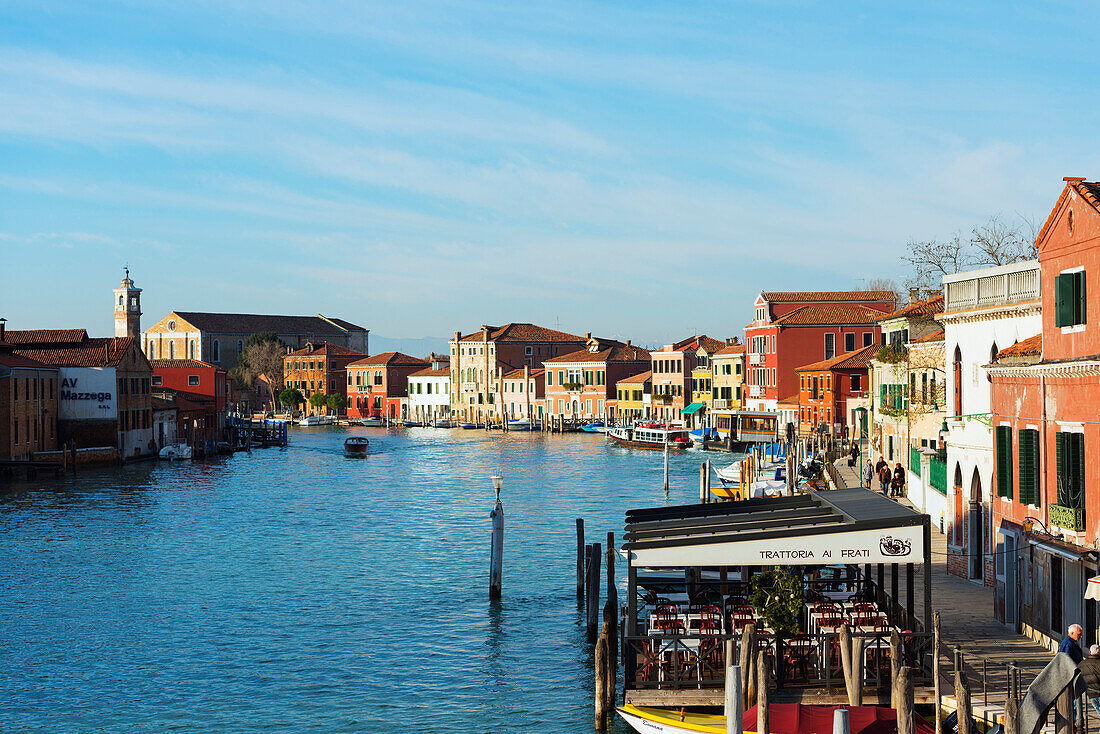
794, 718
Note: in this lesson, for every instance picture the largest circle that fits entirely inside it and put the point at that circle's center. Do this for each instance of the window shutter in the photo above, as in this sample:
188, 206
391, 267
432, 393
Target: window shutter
1023, 451
1004, 461
1062, 300
1060, 466
1079, 297
1077, 486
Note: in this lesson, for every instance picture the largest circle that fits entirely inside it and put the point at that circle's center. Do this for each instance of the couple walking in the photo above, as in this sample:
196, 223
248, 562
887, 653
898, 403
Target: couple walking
892, 483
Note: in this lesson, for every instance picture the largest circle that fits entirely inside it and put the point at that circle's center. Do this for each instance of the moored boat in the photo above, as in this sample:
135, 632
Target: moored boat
468, 425
593, 427
443, 423
784, 718
317, 420
650, 436
371, 422
356, 446
175, 451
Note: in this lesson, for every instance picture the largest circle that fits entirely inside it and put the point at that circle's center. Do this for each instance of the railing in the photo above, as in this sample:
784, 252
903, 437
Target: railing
993, 290
937, 475
720, 404
1070, 518
914, 460
469, 386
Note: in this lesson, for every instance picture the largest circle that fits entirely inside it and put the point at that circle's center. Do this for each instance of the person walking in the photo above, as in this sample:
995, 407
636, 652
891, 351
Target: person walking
884, 477
1090, 672
897, 483
1071, 645
853, 455
869, 475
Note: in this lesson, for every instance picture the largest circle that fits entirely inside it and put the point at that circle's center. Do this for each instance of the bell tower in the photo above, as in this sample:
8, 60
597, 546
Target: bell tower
128, 308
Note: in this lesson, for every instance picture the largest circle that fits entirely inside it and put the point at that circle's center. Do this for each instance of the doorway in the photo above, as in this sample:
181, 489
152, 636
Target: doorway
976, 549
1011, 580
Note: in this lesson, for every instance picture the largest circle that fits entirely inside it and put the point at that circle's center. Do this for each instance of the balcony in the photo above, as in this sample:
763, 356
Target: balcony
469, 387
720, 404
756, 359
756, 391
998, 286
1068, 518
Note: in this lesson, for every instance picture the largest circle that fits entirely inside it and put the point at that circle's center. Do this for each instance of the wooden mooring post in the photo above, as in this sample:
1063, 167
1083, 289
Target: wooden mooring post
1063, 712
936, 671
763, 720
962, 696
593, 592
733, 709
903, 696
580, 558
601, 684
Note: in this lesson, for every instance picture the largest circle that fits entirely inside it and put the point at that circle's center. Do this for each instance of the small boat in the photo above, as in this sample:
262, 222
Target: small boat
409, 423
784, 718
523, 424
593, 427
443, 423
650, 436
175, 451
371, 422
356, 446
468, 426
317, 420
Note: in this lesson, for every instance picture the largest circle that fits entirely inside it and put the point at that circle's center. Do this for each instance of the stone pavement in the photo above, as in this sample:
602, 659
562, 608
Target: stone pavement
966, 620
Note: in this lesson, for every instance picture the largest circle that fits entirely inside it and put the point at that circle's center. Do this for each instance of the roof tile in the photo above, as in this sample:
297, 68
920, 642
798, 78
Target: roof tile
830, 315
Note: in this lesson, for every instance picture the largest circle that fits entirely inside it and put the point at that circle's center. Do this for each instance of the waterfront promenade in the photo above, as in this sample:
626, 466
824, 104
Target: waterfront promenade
966, 621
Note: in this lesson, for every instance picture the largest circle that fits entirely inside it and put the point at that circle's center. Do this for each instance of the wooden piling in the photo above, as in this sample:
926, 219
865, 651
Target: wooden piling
593, 606
763, 720
857, 670
936, 671
611, 627
710, 496
733, 710
1012, 709
580, 558
496, 551
702, 482
747, 661
844, 639
903, 694
895, 663
612, 592
1063, 712
962, 698
601, 684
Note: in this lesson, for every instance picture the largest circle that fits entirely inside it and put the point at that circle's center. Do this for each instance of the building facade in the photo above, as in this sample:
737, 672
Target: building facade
429, 392
219, 338
523, 393
792, 329
634, 398
825, 389
1046, 395
728, 368
984, 311
28, 406
378, 386
319, 368
579, 385
477, 358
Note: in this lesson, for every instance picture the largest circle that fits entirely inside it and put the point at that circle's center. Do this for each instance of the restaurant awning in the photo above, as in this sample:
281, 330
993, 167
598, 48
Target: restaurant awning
1092, 588
693, 408
846, 526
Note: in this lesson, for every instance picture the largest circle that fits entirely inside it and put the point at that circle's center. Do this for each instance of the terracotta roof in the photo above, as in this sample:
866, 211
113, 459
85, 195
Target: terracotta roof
1088, 191
928, 307
184, 400
251, 323
731, 349
176, 364
1031, 347
935, 336
830, 315
45, 337
162, 404
107, 352
609, 352
699, 341
522, 333
17, 360
647, 375
324, 349
789, 400
858, 359
518, 374
825, 296
389, 358
429, 372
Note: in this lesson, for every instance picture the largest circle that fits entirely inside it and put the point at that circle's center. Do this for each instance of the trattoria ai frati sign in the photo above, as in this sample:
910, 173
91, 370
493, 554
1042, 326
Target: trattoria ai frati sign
892, 545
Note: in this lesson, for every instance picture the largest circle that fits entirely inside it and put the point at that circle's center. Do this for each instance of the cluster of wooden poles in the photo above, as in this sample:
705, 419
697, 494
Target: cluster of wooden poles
604, 635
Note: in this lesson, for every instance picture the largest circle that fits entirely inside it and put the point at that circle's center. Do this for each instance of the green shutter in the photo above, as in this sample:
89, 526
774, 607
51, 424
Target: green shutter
1077, 489
1028, 443
1079, 297
1063, 286
1003, 448
1060, 466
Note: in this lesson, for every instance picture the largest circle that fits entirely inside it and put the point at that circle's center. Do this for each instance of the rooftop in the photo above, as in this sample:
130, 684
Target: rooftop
610, 351
1089, 191
104, 352
928, 308
858, 359
521, 333
518, 374
250, 323
639, 378
830, 315
730, 350
173, 364
391, 359
45, 337
826, 296
19, 361
699, 341
935, 336
325, 349
429, 372
1031, 347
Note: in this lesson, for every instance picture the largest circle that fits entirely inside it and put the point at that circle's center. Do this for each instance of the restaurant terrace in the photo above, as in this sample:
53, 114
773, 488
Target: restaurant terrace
806, 565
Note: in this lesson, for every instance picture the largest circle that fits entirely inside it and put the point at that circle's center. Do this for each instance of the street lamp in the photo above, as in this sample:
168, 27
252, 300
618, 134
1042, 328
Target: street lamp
941, 450
498, 482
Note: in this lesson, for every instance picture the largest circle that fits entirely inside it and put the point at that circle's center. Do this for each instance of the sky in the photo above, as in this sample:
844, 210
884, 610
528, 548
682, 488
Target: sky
633, 169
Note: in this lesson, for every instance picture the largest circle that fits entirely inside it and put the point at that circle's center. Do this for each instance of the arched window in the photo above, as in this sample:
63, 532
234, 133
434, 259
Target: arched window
152, 350
171, 350
240, 346
120, 301
216, 351
191, 349
957, 374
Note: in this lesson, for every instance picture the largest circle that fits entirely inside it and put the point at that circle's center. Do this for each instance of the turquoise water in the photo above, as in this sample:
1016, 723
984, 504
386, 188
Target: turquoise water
298, 590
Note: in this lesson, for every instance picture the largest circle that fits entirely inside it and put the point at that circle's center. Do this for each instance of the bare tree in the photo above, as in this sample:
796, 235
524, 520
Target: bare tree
998, 243
930, 260
995, 242
886, 284
260, 358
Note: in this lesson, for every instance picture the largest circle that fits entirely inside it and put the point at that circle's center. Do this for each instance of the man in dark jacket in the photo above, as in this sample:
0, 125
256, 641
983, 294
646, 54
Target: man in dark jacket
1071, 645
1090, 671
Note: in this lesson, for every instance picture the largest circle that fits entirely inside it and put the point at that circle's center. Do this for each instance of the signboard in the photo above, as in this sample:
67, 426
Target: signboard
87, 393
890, 545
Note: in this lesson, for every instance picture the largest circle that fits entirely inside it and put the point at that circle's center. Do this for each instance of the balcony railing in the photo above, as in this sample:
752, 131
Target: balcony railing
755, 358
756, 391
720, 404
937, 475
1070, 518
469, 386
1019, 284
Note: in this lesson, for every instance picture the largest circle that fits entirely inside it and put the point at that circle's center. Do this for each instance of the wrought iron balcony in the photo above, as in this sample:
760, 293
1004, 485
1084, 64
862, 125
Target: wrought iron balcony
1069, 518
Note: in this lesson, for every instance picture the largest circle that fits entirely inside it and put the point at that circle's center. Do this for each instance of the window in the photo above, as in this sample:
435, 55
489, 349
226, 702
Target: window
216, 351
1069, 451
957, 374
156, 380
1069, 299
1002, 449
152, 350
1028, 446
868, 338
171, 350
830, 346
240, 346
856, 383
193, 380
550, 378
191, 349
850, 342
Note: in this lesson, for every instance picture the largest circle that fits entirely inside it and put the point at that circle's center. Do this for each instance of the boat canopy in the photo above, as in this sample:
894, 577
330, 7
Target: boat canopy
693, 408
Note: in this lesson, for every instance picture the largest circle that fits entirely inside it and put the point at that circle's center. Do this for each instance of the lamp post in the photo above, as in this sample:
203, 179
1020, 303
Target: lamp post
496, 544
941, 450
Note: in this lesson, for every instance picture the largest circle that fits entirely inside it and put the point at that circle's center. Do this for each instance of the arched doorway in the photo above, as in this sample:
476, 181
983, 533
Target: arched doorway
959, 521
976, 547
957, 372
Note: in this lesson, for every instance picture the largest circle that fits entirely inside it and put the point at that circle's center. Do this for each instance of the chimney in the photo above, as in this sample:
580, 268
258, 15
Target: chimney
736, 340
627, 341
587, 335
2, 322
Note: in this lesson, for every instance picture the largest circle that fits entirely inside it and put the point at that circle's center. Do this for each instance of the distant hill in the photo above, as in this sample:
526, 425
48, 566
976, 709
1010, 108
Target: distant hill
416, 346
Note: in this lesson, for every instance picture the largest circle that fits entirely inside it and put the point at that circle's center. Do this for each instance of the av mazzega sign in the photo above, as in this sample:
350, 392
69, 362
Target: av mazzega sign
890, 545
87, 393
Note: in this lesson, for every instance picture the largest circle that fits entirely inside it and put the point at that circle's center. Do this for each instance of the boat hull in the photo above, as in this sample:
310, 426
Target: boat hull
661, 721
356, 447
632, 444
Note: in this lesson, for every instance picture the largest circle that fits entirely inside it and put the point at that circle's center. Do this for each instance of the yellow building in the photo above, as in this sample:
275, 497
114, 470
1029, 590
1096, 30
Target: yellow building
728, 377
633, 397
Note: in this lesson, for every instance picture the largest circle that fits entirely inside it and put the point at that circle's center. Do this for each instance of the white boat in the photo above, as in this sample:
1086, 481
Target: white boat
175, 451
356, 446
371, 422
523, 424
317, 420
668, 721
650, 436
443, 423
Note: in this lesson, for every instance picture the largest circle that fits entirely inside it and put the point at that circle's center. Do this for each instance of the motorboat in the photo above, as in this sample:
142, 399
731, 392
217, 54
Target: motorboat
650, 436
594, 427
784, 718
175, 451
356, 446
409, 423
443, 423
468, 426
523, 424
371, 422
317, 420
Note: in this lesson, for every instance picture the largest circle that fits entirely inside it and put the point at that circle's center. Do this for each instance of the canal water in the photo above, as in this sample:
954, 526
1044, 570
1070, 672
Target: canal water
299, 590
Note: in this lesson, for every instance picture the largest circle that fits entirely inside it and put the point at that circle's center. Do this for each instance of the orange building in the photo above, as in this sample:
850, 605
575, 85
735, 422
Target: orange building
825, 387
580, 384
28, 407
319, 368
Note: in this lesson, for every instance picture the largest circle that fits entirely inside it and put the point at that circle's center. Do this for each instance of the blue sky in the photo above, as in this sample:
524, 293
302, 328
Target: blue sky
631, 169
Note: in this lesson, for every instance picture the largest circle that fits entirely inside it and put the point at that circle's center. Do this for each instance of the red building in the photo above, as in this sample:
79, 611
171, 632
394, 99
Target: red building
580, 384
1045, 402
825, 387
192, 376
798, 328
319, 368
378, 386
